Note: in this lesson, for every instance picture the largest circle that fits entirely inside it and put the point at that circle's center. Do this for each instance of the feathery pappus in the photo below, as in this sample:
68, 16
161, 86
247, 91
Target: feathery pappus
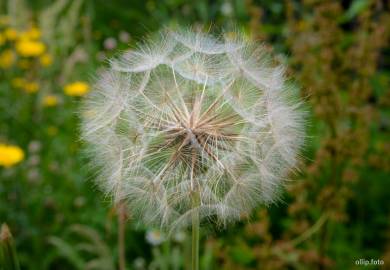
189, 122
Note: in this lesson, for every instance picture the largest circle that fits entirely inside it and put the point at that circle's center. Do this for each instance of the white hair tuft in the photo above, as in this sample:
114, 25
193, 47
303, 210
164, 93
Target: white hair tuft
189, 122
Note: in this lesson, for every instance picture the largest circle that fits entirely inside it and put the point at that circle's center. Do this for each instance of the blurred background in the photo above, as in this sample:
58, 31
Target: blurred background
334, 212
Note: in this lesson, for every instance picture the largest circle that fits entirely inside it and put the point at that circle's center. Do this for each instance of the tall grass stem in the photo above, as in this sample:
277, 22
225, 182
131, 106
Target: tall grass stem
195, 240
121, 235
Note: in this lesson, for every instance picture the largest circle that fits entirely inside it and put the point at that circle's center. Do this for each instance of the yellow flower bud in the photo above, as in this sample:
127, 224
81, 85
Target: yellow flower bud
10, 34
30, 87
2, 39
50, 101
46, 60
7, 58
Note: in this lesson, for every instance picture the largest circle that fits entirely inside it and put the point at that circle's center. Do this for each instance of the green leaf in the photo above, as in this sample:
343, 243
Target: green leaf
355, 9
68, 252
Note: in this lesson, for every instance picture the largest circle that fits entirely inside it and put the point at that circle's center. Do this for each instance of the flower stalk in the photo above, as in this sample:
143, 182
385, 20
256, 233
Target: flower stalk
194, 216
122, 235
195, 241
8, 257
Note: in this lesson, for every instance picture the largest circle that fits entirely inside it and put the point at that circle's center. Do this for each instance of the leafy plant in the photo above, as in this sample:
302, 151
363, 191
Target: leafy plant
90, 245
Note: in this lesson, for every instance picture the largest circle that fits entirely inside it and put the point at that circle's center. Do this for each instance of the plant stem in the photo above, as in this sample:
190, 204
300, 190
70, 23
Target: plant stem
8, 257
312, 230
195, 240
195, 216
121, 235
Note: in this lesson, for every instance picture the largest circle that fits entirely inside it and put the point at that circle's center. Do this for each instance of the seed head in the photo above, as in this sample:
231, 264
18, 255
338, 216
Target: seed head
190, 122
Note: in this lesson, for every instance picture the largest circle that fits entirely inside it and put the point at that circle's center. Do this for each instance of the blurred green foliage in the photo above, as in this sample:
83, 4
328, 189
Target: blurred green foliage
336, 210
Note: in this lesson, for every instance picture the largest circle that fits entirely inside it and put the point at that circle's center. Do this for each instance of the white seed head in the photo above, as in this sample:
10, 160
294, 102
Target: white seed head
190, 122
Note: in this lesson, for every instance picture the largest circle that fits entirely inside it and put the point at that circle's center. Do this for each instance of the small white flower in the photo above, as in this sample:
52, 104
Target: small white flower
139, 263
124, 36
34, 160
110, 43
33, 175
154, 237
179, 236
226, 9
34, 146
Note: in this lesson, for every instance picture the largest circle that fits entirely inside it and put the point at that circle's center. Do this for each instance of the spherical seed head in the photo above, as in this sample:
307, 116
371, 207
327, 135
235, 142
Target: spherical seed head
187, 123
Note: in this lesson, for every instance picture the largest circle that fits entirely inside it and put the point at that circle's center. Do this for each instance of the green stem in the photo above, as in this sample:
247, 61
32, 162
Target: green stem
195, 240
8, 257
312, 230
121, 235
195, 216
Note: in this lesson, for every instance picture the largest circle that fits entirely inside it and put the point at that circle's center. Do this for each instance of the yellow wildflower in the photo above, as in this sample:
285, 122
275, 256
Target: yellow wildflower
30, 87
7, 58
50, 101
10, 34
30, 48
46, 60
2, 39
32, 33
10, 155
76, 89
17, 82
